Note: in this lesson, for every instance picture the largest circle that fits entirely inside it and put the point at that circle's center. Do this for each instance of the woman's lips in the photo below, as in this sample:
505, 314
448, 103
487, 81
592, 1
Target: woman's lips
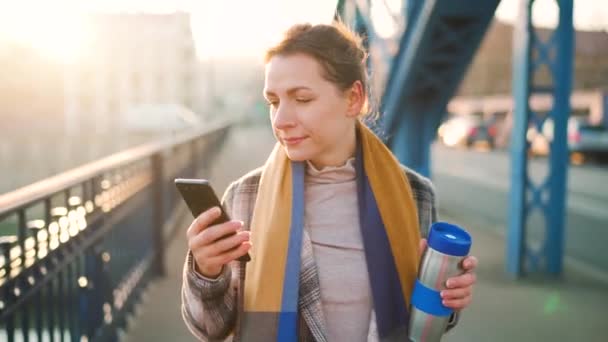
293, 141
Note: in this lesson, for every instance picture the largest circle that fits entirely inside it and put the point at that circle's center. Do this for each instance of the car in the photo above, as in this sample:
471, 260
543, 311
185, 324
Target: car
585, 141
468, 131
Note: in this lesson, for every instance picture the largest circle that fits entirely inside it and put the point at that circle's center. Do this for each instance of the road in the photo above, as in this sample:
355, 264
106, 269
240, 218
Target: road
473, 183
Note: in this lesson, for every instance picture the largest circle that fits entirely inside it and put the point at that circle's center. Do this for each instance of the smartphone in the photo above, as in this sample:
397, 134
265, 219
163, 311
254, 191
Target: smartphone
200, 197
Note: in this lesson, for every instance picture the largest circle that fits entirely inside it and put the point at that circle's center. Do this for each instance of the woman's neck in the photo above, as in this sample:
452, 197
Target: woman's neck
340, 154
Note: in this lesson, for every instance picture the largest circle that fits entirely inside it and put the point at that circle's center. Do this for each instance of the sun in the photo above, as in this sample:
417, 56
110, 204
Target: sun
57, 34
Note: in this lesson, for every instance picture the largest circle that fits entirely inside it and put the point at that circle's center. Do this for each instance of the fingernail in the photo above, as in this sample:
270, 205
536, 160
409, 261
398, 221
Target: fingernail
217, 210
448, 283
442, 294
444, 303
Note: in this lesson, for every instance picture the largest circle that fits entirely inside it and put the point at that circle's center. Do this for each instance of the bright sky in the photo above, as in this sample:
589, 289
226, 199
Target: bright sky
588, 14
220, 27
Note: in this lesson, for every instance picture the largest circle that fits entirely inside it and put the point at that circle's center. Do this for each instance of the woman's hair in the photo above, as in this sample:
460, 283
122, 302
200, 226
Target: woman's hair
338, 50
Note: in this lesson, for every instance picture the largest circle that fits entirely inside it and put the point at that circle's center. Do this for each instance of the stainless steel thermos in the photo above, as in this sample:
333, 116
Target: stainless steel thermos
448, 245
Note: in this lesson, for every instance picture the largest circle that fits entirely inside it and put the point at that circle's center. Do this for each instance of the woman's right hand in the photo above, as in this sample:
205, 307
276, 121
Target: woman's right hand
209, 251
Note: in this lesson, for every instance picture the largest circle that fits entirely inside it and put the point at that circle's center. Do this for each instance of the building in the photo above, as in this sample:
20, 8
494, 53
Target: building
491, 70
130, 60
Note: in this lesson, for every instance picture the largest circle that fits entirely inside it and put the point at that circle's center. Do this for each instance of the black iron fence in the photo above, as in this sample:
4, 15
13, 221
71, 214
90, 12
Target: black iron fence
76, 250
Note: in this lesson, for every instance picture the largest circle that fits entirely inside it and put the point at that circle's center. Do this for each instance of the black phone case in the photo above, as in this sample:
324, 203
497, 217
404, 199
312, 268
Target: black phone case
199, 197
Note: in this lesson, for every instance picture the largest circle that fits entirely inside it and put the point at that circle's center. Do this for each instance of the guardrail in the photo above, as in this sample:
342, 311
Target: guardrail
77, 249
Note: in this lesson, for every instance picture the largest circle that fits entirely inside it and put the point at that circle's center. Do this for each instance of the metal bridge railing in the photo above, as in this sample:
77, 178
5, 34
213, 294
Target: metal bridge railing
77, 249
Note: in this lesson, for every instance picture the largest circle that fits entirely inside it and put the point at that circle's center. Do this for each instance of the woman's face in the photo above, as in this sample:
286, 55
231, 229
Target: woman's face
311, 117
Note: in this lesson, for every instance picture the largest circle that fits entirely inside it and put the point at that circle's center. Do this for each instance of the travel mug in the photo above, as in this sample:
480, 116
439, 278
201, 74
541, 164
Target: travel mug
447, 246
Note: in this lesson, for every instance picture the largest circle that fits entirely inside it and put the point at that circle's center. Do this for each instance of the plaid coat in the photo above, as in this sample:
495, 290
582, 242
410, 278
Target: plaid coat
211, 307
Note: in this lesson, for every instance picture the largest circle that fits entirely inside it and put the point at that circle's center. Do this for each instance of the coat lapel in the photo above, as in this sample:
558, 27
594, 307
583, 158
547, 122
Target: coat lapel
309, 302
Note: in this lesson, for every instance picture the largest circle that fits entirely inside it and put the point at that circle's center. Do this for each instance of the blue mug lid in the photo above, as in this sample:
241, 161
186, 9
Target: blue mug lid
449, 239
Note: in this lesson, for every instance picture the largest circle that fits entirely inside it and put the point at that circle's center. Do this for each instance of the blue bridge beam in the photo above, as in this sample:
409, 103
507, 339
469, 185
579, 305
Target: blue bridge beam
435, 50
437, 41
531, 53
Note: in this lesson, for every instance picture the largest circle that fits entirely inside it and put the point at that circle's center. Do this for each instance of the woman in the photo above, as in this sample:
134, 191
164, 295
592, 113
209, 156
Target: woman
333, 222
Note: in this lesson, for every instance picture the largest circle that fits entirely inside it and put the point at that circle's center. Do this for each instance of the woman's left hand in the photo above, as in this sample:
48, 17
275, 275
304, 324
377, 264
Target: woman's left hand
459, 292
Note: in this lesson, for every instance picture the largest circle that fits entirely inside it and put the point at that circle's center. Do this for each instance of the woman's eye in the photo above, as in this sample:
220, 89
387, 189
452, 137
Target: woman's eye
303, 100
272, 103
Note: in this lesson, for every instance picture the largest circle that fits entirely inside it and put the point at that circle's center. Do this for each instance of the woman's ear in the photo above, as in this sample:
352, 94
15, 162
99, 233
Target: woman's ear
356, 99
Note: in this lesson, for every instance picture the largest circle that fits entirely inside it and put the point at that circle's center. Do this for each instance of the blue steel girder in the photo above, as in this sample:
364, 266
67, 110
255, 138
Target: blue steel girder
358, 14
434, 52
548, 197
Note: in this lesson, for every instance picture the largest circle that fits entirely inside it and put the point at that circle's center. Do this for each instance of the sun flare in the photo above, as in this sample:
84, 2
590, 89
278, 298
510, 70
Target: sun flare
56, 34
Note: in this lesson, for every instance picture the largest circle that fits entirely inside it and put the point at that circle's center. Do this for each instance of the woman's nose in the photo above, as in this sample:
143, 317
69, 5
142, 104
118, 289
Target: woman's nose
283, 117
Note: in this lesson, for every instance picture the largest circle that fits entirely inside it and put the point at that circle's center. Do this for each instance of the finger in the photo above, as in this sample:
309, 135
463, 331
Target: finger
209, 235
458, 304
226, 244
203, 221
220, 260
204, 248
232, 255
469, 263
463, 280
421, 247
213, 233
456, 293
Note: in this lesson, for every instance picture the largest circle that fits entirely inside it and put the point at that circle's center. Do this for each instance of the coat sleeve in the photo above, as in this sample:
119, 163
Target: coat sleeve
209, 305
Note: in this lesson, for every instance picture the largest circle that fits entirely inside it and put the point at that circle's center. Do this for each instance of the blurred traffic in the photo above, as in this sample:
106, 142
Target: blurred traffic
587, 129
